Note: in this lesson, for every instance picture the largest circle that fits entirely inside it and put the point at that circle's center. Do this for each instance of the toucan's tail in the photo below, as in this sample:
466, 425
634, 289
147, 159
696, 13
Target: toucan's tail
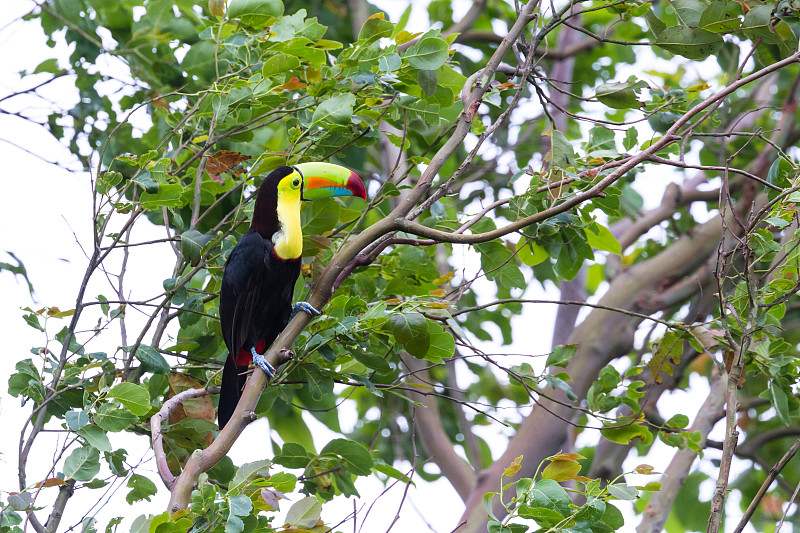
233, 380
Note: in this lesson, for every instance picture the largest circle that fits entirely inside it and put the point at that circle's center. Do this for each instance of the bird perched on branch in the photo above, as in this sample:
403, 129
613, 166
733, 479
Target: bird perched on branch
260, 274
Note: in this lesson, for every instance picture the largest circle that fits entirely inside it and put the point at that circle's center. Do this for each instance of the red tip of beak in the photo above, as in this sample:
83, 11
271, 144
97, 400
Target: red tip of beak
356, 186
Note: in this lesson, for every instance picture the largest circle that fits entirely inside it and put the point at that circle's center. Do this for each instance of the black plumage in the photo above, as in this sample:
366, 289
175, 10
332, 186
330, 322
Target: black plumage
256, 294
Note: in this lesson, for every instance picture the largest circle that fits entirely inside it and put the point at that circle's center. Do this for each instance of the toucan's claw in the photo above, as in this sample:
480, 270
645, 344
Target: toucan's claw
307, 307
261, 361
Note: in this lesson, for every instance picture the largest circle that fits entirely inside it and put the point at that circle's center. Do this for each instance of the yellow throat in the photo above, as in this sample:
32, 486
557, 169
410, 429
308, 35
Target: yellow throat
289, 240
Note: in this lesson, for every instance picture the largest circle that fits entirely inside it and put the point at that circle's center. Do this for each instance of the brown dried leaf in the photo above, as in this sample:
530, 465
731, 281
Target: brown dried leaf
201, 408
51, 482
291, 85
224, 161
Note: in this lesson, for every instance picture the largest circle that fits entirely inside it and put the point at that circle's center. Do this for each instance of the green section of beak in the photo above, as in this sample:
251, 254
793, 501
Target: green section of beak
324, 180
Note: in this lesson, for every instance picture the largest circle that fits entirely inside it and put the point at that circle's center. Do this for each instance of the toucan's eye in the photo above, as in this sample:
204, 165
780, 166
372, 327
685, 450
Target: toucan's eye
296, 183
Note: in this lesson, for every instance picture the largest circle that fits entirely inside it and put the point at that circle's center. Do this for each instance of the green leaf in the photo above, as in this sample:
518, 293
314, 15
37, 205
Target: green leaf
428, 54
192, 243
375, 27
82, 464
234, 524
293, 456
96, 438
548, 503
487, 502
33, 321
305, 513
621, 491
134, 397
757, 24
372, 361
532, 253
393, 473
249, 472
498, 264
389, 62
561, 153
108, 180
141, 489
283, 481
442, 344
113, 417
562, 470
561, 355
688, 11
427, 80
780, 173
602, 239
77, 419
691, 43
631, 138
626, 433
678, 421
611, 520
721, 16
240, 505
655, 24
319, 384
336, 110
143, 179
320, 216
780, 401
621, 95
279, 64
151, 360
168, 195
358, 459
411, 329
255, 13
48, 65
666, 355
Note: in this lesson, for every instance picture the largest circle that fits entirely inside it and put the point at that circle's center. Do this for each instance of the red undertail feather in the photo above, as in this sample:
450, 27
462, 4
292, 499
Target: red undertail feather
245, 357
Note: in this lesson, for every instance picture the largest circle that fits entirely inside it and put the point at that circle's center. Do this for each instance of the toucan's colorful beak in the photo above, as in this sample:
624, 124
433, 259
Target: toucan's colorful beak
324, 180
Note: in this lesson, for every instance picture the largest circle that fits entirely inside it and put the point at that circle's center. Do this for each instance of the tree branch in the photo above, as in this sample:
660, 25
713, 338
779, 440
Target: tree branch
660, 505
157, 435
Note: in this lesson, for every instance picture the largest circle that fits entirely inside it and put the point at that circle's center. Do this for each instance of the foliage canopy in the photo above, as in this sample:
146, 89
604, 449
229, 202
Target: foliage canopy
515, 146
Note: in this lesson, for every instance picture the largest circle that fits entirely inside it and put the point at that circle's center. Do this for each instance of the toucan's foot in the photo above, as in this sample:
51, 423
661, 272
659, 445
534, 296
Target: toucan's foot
261, 361
307, 307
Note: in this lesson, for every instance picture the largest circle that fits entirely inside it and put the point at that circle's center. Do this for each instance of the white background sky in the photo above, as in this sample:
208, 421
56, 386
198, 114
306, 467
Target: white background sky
44, 215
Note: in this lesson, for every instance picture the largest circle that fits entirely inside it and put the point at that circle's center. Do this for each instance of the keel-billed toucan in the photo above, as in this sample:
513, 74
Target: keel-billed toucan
258, 282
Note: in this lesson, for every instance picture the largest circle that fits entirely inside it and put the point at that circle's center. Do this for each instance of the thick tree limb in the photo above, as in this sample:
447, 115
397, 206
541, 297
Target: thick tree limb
429, 427
660, 505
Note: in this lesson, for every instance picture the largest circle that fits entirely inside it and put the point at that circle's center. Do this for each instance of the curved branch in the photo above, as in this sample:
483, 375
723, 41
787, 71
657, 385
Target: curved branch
157, 435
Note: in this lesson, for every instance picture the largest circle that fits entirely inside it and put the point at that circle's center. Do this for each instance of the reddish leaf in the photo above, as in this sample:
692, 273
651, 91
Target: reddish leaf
566, 457
201, 408
51, 482
291, 85
159, 103
224, 161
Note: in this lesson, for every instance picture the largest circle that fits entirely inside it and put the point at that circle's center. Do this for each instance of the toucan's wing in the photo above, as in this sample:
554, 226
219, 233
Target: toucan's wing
243, 289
